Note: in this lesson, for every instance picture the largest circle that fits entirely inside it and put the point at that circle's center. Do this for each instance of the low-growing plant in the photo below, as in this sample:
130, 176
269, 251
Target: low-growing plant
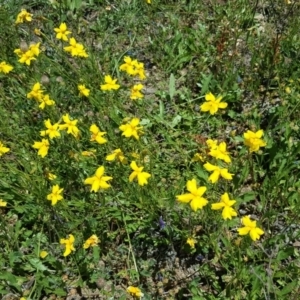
149, 149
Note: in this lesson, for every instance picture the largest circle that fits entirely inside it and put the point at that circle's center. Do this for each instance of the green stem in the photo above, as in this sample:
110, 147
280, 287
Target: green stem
130, 248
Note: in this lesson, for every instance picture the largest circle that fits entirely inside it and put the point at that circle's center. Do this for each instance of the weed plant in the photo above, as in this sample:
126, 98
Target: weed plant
149, 149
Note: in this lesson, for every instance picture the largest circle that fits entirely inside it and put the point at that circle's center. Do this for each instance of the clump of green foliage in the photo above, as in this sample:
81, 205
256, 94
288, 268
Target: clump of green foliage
149, 149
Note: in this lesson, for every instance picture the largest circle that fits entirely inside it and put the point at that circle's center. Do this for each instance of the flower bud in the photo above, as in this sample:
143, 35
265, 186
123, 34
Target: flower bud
23, 46
45, 80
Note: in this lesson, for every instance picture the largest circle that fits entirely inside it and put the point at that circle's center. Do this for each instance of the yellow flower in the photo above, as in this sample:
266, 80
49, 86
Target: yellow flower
5, 67
131, 129
133, 67
91, 242
22, 298
72, 48
212, 144
197, 157
217, 172
139, 69
83, 91
128, 66
52, 130
34, 49
75, 48
195, 196
135, 292
69, 125
225, 204
42, 146
88, 153
2, 203
51, 176
46, 101
98, 181
26, 57
149, 1
23, 16
97, 135
142, 177
36, 92
117, 155
251, 228
136, 92
135, 155
212, 104
81, 51
43, 254
55, 194
220, 152
110, 84
253, 140
3, 149
62, 32
191, 241
69, 244
37, 31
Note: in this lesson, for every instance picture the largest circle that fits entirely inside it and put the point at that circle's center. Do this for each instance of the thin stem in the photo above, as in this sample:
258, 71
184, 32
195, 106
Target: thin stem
130, 248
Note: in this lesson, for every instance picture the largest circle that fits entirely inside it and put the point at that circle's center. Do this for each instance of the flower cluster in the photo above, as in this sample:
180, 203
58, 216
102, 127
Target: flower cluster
27, 55
92, 241
195, 196
218, 151
74, 48
37, 93
53, 131
133, 68
98, 180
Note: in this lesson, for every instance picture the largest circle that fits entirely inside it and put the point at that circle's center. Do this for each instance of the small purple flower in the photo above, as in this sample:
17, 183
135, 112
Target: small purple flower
162, 223
160, 277
200, 257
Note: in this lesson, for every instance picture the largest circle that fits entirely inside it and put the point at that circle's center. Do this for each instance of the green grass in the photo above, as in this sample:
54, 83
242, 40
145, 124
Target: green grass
246, 51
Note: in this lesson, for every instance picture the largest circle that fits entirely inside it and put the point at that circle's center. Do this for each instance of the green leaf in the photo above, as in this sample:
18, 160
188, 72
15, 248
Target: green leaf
37, 264
10, 279
205, 84
201, 173
172, 89
248, 197
176, 121
161, 109
284, 254
288, 288
96, 254
59, 292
